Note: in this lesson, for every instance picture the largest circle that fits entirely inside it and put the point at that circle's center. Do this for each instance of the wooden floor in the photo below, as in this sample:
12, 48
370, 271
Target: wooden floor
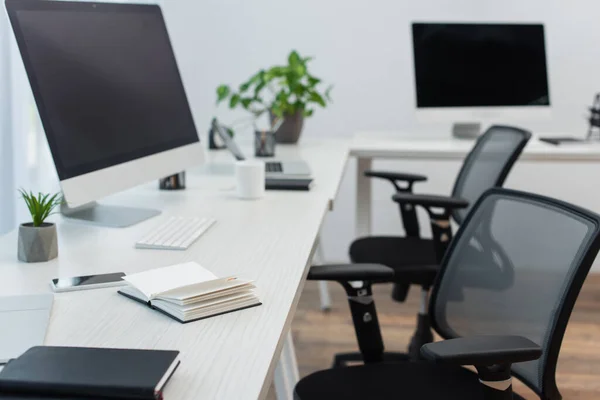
318, 335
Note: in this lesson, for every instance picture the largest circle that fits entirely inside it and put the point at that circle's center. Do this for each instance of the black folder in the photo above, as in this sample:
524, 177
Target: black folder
84, 373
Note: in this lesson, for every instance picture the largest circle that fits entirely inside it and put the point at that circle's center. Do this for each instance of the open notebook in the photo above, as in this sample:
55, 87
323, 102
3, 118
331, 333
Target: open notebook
188, 292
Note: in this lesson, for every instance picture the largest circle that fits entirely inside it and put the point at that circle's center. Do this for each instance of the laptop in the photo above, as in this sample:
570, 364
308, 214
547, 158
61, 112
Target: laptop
273, 169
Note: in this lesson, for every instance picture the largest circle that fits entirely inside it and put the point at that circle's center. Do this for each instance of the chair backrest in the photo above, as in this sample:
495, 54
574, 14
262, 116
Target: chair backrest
488, 164
516, 267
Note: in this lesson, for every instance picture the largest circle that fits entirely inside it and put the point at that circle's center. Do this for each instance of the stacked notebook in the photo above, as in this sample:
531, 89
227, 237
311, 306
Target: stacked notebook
288, 183
188, 292
88, 373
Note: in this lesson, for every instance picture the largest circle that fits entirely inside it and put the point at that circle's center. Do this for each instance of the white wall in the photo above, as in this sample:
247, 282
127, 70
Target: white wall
363, 47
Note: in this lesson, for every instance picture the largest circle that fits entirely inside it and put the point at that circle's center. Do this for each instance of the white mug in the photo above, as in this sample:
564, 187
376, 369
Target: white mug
250, 179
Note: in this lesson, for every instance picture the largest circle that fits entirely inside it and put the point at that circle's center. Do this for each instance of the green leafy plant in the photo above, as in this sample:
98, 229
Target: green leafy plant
281, 90
40, 206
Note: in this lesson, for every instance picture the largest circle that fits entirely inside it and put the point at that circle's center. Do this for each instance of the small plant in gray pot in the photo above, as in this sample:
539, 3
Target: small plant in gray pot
38, 241
289, 93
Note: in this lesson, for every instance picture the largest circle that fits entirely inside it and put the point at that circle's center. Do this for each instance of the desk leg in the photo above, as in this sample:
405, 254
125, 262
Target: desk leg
363, 197
324, 295
286, 373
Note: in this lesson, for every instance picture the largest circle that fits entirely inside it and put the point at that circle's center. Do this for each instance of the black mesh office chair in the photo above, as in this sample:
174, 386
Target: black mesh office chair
415, 259
503, 297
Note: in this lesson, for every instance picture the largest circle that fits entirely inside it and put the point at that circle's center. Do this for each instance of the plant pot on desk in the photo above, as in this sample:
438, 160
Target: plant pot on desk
37, 243
290, 129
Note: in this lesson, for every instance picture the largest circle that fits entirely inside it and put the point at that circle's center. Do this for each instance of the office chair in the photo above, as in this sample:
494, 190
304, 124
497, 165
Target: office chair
414, 259
502, 300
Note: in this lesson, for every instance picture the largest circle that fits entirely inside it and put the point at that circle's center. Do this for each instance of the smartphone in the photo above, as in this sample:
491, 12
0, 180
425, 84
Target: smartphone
88, 282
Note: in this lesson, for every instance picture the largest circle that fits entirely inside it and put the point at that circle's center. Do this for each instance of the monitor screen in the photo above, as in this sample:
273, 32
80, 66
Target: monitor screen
105, 81
480, 65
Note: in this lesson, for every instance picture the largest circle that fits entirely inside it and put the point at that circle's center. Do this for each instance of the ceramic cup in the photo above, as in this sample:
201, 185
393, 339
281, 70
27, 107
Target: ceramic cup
250, 179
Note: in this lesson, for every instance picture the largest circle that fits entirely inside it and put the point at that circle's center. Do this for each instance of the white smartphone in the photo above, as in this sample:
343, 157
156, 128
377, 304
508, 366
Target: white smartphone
88, 282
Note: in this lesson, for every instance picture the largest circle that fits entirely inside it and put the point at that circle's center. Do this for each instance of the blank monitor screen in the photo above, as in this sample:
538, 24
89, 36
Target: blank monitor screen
480, 65
105, 81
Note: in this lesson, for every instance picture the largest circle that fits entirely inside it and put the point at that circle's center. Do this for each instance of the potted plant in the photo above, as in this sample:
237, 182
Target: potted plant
287, 92
37, 239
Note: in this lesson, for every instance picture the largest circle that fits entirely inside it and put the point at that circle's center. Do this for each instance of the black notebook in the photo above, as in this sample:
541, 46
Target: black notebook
82, 372
288, 183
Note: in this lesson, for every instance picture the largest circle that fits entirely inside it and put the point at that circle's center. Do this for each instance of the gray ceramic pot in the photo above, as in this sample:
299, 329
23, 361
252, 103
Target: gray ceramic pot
37, 244
290, 129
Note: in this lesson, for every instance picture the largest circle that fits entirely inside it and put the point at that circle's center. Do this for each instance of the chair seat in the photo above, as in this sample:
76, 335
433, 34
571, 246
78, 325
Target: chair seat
413, 259
406, 381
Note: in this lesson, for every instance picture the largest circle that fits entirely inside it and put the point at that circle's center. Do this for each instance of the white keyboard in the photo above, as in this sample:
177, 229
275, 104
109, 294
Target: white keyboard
176, 233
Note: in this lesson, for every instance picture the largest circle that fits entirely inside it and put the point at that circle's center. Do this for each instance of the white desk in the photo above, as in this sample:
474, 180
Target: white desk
367, 146
272, 240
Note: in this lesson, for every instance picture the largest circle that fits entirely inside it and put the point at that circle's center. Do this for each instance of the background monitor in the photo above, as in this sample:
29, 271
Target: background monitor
109, 94
480, 68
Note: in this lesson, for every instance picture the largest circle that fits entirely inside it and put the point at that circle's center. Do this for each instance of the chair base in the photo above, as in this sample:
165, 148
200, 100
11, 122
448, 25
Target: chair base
348, 359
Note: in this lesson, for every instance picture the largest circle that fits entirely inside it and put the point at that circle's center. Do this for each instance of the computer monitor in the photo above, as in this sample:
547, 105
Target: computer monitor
473, 71
110, 98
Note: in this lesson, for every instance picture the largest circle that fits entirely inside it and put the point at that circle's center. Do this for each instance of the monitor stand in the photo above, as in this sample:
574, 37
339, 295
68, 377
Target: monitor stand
110, 216
466, 130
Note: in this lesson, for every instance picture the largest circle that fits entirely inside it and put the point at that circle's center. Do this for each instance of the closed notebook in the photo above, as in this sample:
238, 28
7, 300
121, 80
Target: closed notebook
288, 183
188, 292
82, 372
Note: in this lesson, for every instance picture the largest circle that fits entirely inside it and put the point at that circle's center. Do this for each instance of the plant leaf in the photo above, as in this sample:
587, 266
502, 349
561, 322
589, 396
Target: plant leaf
275, 72
246, 101
259, 88
258, 77
294, 59
235, 99
40, 206
308, 113
313, 81
317, 98
222, 93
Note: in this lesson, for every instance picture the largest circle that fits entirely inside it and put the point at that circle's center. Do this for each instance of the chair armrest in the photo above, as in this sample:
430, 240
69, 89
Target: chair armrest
482, 350
427, 200
350, 272
403, 183
396, 176
441, 227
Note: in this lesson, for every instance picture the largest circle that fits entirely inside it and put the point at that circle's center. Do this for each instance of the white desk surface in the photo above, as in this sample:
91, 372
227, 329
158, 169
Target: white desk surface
399, 145
232, 356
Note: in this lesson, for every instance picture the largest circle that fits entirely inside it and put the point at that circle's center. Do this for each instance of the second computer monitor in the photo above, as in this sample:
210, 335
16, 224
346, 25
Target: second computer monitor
480, 69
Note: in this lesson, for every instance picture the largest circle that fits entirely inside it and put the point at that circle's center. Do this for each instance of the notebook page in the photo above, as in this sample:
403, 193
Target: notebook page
199, 289
156, 281
207, 303
195, 297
